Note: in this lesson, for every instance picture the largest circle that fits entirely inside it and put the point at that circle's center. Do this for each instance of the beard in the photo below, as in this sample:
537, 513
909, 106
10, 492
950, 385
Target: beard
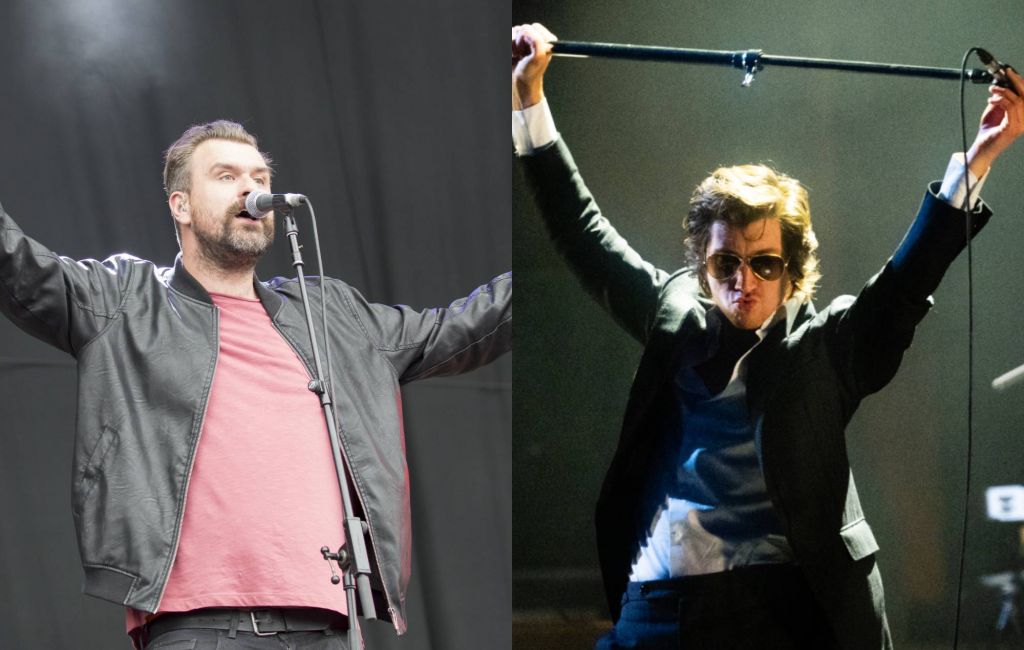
226, 245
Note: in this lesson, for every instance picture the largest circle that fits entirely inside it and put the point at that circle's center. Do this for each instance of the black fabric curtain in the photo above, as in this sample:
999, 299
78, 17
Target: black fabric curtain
392, 117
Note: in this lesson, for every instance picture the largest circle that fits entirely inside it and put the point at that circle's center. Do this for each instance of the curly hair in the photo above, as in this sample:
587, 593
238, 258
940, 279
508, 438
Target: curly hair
741, 195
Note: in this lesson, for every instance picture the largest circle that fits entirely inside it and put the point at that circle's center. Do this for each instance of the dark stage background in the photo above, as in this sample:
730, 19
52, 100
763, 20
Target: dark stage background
644, 134
392, 117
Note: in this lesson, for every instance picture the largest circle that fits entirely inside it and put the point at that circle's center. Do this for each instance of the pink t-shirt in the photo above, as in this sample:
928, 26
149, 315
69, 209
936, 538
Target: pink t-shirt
263, 497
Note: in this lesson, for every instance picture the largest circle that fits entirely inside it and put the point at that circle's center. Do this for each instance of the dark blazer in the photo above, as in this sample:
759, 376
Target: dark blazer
804, 382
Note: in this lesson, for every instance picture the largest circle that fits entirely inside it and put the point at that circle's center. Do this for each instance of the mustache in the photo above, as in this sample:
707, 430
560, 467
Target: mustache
236, 209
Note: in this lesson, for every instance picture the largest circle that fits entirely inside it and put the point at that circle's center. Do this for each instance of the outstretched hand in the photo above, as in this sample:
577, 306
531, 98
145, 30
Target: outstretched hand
1002, 122
531, 54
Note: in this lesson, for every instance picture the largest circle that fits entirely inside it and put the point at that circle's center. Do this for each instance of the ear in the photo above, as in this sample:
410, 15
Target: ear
178, 203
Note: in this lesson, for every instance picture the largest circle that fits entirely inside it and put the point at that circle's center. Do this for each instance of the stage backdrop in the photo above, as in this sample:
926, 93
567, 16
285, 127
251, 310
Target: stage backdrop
392, 117
644, 134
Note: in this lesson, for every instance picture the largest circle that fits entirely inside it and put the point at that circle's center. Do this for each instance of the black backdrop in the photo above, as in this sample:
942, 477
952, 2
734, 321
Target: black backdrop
392, 117
644, 134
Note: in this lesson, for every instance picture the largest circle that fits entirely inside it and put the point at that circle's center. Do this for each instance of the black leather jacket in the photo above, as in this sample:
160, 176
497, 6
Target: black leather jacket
146, 341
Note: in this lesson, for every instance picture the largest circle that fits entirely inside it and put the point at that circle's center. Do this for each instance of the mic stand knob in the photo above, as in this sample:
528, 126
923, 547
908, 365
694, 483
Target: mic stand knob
341, 557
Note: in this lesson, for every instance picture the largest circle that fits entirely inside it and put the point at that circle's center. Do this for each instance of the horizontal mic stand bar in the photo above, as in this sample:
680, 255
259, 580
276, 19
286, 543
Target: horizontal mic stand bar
752, 61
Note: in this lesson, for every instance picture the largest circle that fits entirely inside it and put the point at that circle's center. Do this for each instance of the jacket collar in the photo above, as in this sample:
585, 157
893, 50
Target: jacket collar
184, 282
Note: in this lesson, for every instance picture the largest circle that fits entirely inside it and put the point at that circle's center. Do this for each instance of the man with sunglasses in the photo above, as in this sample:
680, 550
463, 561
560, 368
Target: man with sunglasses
729, 517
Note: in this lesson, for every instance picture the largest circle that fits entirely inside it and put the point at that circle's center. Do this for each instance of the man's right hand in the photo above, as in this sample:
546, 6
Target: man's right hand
531, 53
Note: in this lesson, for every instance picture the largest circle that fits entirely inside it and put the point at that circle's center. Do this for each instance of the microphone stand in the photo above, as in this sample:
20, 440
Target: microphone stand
351, 557
1007, 379
752, 61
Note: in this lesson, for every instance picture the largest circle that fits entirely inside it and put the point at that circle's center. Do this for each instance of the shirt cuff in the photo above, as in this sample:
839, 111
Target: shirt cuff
533, 128
954, 190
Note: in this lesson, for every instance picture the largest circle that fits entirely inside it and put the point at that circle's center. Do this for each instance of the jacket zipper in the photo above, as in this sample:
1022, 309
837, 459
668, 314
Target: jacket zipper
192, 457
348, 469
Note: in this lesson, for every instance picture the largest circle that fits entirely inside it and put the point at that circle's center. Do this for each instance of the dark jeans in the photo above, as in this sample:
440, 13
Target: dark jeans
762, 607
196, 639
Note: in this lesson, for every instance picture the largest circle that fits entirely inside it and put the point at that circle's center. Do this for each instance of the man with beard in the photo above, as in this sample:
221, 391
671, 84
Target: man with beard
207, 175
197, 435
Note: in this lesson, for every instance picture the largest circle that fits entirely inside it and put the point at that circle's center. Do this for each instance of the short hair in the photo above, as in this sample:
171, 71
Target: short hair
178, 157
741, 195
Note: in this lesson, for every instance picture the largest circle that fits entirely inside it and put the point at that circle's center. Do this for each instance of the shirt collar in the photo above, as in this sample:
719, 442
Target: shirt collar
787, 310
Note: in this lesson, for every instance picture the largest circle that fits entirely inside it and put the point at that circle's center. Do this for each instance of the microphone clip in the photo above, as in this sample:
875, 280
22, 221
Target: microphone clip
995, 68
750, 62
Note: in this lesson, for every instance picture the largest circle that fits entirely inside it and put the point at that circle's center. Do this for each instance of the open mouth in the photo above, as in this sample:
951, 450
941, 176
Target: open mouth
244, 214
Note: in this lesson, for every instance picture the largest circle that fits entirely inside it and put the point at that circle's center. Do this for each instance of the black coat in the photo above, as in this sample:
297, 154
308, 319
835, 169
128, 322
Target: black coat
804, 382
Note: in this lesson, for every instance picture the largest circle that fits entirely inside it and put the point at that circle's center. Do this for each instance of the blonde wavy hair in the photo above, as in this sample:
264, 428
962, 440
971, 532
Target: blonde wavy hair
741, 195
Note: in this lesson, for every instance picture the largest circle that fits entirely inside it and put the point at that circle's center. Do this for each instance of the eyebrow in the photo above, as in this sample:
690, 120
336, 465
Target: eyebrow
235, 168
761, 251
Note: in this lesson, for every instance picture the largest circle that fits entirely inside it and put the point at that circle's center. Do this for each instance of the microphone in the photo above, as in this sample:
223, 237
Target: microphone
995, 68
259, 204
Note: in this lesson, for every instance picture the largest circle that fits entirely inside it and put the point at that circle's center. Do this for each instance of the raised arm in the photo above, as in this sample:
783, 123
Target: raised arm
609, 269
468, 333
61, 301
880, 324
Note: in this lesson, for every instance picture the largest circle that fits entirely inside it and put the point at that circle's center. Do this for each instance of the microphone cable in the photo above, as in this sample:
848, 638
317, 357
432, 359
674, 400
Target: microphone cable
968, 225
323, 303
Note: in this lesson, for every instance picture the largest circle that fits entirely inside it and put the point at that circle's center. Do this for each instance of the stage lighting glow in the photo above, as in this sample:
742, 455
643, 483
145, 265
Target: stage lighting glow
97, 34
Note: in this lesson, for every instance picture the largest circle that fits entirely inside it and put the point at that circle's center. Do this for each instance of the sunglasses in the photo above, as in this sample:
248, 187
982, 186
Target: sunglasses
722, 266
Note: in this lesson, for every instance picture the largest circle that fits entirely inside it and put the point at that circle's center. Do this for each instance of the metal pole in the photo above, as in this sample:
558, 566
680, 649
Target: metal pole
752, 61
352, 558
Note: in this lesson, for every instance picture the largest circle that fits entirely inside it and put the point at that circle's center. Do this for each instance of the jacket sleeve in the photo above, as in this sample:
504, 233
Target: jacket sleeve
874, 330
611, 271
61, 301
467, 334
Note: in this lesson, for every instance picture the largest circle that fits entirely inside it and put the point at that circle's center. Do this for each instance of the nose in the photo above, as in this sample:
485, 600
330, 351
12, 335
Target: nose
248, 185
744, 277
